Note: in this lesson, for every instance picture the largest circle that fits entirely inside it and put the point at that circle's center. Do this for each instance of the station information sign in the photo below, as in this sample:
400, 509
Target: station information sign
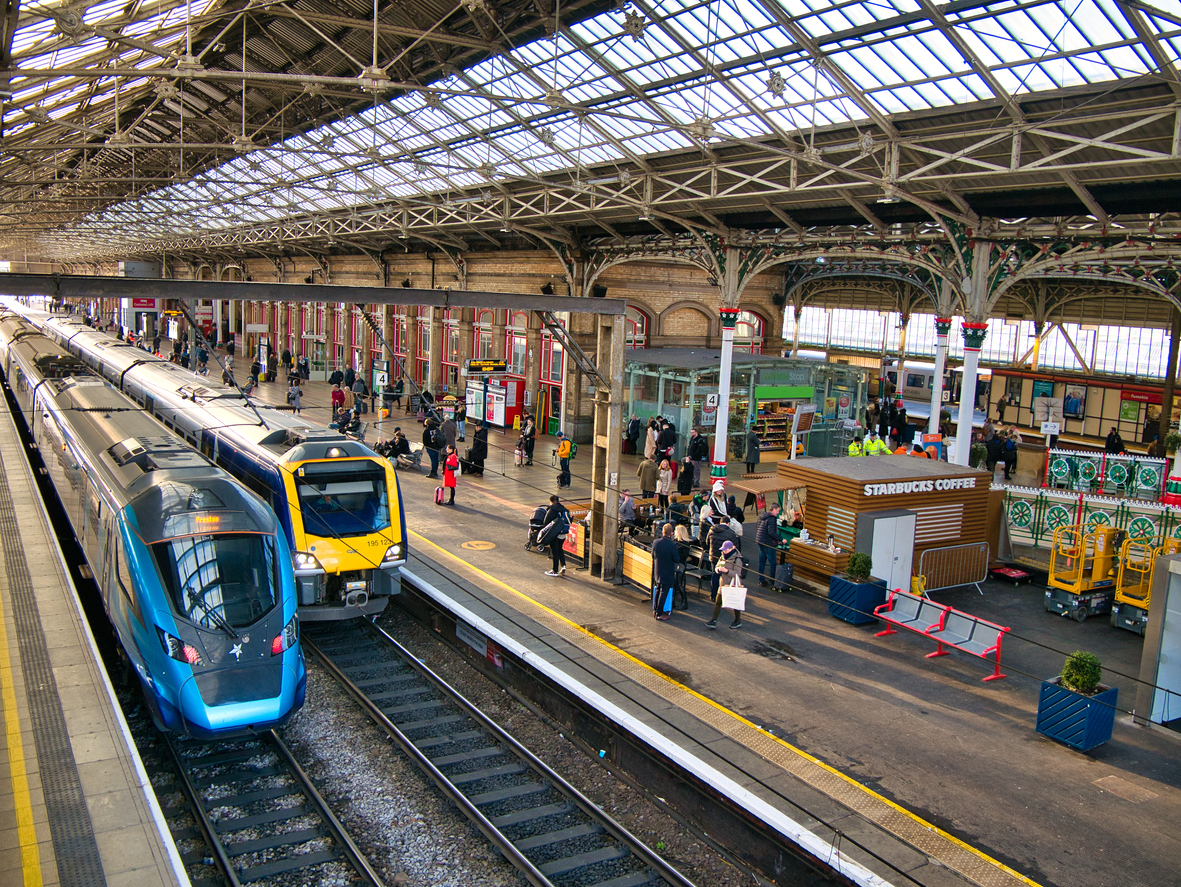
481, 366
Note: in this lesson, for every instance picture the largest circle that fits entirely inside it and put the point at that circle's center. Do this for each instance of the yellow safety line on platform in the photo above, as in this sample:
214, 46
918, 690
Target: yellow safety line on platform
980, 854
22, 804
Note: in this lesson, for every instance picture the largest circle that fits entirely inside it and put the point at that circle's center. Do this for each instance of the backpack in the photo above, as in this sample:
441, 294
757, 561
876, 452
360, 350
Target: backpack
1010, 445
573, 449
563, 521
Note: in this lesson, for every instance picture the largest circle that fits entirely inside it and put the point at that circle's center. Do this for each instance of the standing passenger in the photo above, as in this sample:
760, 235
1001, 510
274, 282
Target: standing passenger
293, 397
731, 570
752, 450
665, 560
450, 469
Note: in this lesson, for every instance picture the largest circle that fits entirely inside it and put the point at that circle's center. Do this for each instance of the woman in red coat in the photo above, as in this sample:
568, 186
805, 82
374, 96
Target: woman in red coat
450, 469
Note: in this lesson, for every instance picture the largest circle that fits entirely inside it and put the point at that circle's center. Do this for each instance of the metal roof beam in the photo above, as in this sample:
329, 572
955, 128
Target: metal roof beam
83, 287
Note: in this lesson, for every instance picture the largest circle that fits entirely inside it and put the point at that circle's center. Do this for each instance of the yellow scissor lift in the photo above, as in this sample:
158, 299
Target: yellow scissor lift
1133, 589
1083, 568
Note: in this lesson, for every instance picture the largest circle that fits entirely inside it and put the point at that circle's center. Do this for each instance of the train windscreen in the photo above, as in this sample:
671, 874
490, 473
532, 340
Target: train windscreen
224, 581
345, 497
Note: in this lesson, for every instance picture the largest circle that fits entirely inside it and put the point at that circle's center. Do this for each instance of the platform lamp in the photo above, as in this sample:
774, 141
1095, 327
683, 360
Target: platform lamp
547, 288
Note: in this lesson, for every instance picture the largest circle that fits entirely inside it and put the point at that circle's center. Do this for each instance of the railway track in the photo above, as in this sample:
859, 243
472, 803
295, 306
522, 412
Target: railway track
244, 812
545, 827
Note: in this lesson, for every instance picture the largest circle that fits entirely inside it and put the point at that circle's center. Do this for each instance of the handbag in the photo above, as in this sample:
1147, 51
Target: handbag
734, 595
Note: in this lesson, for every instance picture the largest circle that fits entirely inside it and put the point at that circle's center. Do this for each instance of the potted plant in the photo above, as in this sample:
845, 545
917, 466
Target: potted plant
853, 596
1075, 707
978, 455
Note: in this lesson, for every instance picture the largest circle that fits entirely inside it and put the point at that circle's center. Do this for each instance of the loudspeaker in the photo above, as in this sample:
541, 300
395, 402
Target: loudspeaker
598, 291
406, 283
547, 289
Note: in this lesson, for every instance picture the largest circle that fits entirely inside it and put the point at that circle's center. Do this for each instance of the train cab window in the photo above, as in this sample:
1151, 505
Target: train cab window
224, 581
123, 578
345, 497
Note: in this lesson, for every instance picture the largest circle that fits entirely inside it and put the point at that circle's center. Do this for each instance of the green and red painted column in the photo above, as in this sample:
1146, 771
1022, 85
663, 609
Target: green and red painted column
974, 334
729, 321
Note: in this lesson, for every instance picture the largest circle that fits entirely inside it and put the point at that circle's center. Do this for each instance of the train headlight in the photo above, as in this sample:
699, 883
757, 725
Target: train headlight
178, 649
286, 639
395, 553
305, 562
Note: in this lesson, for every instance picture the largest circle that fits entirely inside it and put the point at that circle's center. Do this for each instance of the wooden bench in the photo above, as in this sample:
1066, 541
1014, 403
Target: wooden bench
945, 625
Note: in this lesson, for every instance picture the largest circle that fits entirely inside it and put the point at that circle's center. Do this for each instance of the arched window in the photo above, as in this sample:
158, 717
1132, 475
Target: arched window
635, 328
748, 333
482, 340
515, 344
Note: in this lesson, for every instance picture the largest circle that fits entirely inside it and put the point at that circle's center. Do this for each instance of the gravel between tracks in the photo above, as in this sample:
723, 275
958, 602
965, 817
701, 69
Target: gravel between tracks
404, 824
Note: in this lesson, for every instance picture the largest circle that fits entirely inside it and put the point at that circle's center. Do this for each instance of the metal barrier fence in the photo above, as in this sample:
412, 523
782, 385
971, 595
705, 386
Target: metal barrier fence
953, 566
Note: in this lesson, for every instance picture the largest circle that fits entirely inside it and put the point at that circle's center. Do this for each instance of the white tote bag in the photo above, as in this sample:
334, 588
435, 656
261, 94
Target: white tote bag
734, 595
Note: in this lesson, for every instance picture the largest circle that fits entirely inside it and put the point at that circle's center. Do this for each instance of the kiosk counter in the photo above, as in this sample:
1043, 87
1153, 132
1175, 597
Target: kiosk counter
891, 507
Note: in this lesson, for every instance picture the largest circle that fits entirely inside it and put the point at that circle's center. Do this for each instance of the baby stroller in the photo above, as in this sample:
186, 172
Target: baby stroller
536, 523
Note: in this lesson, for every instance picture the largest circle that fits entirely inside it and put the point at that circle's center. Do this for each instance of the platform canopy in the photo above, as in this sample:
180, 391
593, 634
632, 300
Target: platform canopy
252, 127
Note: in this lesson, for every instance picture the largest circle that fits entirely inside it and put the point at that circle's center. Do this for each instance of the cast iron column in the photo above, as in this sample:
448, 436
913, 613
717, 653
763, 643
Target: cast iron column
942, 328
974, 334
729, 321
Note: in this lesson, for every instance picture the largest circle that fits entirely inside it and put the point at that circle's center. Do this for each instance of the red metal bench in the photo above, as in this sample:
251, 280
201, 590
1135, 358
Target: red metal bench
945, 625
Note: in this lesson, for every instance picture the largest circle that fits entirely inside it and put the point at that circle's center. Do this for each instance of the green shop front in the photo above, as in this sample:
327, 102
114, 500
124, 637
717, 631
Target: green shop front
681, 384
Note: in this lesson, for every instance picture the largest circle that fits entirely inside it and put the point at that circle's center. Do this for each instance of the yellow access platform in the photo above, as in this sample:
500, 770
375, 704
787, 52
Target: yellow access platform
1084, 566
1133, 588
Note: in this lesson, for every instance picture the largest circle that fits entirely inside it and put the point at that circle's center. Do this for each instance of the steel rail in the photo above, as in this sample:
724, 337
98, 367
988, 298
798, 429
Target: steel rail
526, 868
350, 851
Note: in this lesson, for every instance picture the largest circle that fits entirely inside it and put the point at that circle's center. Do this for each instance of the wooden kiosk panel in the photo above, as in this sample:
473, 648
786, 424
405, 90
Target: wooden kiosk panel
950, 501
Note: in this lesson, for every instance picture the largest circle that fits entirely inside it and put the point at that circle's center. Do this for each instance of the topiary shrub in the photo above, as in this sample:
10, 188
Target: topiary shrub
1172, 441
860, 564
978, 455
1082, 672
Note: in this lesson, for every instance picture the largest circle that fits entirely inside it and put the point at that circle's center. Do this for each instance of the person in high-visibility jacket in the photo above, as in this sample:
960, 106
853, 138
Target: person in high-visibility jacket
875, 446
856, 448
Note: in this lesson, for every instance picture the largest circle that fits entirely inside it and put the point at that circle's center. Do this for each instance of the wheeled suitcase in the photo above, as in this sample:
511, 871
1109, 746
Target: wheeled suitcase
438, 495
662, 601
784, 575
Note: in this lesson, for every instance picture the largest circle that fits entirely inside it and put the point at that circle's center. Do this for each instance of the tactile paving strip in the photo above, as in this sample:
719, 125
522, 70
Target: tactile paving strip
961, 858
76, 851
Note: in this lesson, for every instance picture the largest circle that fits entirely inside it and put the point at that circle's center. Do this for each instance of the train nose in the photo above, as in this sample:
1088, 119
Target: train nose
357, 598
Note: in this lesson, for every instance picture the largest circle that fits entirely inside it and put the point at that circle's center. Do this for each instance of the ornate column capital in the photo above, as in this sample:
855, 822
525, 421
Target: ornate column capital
942, 326
729, 317
974, 334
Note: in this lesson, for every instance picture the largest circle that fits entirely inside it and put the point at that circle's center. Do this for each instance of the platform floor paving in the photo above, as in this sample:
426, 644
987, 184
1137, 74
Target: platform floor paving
924, 739
76, 807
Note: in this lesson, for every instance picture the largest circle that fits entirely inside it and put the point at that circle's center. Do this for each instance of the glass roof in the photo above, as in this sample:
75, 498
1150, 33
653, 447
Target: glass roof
648, 78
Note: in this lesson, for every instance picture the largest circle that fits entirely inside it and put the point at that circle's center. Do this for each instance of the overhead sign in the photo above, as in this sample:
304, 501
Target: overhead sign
149, 304
257, 328
486, 366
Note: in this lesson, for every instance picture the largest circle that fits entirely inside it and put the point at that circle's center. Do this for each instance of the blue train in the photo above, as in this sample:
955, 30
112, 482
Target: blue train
337, 501
193, 569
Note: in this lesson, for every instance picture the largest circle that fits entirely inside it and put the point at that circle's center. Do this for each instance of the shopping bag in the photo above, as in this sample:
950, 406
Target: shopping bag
734, 596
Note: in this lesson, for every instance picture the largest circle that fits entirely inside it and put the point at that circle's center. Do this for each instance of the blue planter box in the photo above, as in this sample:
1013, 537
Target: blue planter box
853, 602
1081, 722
